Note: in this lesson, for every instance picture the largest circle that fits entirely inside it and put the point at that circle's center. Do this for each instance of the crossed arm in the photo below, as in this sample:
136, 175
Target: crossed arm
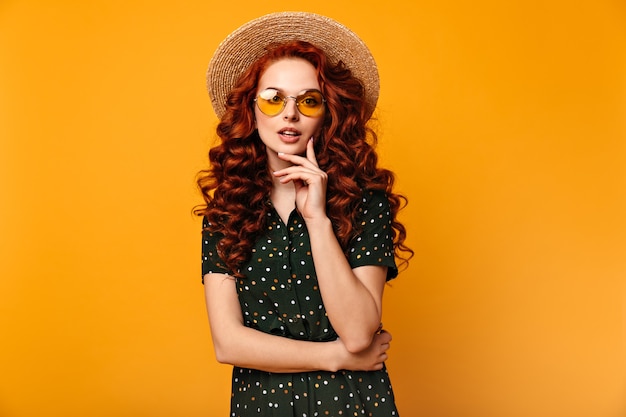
242, 346
352, 296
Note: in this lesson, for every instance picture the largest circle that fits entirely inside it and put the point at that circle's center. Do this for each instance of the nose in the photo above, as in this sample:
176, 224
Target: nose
291, 109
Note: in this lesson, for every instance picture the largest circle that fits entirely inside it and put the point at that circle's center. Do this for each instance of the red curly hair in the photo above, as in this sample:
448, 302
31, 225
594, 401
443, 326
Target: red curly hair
236, 186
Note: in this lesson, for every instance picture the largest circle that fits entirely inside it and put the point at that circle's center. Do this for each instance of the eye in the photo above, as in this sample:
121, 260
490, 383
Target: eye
271, 96
310, 99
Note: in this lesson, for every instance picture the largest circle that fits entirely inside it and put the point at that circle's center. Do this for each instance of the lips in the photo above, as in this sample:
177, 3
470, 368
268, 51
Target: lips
289, 134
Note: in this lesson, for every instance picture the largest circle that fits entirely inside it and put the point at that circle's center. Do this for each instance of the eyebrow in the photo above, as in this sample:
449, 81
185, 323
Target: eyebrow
280, 90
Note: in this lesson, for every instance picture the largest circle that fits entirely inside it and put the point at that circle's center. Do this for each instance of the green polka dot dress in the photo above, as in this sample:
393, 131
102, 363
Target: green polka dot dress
280, 295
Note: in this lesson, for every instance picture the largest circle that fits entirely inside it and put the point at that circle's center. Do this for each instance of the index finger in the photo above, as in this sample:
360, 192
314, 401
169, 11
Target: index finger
310, 152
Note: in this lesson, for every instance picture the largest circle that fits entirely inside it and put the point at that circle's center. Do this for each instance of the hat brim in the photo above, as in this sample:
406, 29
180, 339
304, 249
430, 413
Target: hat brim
248, 43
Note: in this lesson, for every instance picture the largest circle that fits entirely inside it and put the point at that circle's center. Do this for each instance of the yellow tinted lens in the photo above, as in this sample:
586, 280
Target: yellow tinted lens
270, 102
310, 103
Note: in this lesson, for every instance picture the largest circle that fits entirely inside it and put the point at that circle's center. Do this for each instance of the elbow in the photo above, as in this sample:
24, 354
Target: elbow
222, 354
221, 357
227, 346
357, 344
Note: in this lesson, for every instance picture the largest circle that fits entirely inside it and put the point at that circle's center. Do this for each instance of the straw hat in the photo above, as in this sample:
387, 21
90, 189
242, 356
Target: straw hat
247, 43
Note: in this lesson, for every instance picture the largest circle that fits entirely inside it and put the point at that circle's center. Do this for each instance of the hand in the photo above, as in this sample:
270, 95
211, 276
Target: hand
370, 359
309, 180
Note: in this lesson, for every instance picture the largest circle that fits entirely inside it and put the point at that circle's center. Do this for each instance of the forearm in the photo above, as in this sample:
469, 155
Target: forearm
249, 348
352, 307
242, 346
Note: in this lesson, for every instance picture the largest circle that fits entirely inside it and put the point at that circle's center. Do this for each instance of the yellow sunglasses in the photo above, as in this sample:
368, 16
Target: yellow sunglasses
271, 102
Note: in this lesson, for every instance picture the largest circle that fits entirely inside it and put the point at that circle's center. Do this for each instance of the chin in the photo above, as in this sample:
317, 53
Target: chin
294, 149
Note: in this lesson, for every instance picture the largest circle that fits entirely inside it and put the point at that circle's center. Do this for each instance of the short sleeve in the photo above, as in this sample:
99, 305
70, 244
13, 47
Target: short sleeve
211, 262
374, 244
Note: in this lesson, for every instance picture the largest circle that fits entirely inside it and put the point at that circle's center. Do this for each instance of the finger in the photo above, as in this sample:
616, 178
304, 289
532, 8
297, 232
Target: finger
310, 152
307, 174
306, 178
294, 159
293, 172
384, 336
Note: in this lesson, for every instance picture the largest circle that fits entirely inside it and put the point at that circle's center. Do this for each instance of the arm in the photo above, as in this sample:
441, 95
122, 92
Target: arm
245, 347
352, 297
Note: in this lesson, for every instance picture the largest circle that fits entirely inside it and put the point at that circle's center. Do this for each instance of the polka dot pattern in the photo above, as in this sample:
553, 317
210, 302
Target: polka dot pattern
280, 295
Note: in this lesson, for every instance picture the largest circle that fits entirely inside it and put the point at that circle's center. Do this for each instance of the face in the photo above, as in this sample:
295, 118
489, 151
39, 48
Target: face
290, 130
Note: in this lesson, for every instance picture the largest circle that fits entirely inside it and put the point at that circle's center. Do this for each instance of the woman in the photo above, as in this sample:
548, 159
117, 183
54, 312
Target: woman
300, 232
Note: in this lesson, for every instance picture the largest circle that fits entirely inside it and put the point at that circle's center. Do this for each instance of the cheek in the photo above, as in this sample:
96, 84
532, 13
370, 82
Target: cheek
261, 121
264, 128
318, 125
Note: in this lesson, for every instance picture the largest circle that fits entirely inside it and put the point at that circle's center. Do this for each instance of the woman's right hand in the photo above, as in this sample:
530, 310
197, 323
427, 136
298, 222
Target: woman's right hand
370, 359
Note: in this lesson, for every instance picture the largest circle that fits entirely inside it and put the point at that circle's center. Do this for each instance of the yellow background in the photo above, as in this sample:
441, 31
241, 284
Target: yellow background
505, 122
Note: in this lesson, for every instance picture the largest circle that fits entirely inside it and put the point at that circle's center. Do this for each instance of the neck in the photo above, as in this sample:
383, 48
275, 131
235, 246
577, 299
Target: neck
282, 190
275, 163
283, 198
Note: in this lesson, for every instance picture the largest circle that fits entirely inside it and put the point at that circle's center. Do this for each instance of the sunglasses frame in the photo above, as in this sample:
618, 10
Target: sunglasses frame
295, 98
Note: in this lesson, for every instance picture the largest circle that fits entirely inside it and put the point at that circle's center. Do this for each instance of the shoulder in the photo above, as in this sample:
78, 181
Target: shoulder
210, 227
375, 196
374, 201
210, 233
